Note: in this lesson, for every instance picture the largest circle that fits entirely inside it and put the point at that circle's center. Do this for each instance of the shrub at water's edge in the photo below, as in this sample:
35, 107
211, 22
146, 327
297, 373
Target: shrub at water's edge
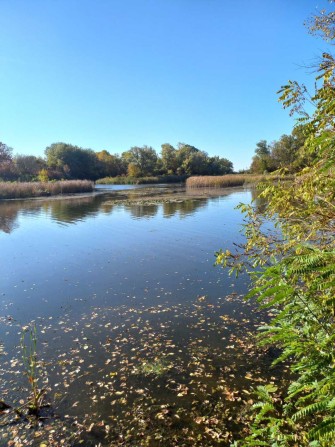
226, 181
16, 190
122, 180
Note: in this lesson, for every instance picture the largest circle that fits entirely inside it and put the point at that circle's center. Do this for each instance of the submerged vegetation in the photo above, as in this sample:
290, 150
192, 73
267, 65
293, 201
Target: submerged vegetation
21, 190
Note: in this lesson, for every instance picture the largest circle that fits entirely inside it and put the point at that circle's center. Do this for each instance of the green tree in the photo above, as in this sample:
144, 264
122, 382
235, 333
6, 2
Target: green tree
195, 163
169, 159
296, 275
7, 168
28, 166
145, 158
288, 152
72, 161
110, 165
219, 166
183, 155
261, 161
188, 160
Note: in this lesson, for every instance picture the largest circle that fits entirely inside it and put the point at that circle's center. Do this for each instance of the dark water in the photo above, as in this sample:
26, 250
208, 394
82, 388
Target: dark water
121, 294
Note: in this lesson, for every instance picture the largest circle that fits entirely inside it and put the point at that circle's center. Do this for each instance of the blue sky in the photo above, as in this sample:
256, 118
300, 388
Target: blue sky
111, 74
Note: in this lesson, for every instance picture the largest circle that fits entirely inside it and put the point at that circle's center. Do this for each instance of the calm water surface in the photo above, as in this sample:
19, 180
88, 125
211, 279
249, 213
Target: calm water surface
54, 253
121, 294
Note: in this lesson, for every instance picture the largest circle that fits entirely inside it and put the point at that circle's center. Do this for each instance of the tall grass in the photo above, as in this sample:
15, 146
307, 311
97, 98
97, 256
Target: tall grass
17, 190
121, 180
229, 180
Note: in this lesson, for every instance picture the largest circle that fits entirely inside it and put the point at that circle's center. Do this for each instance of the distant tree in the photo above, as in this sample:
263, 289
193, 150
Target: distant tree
7, 168
183, 155
28, 166
189, 160
169, 159
262, 149
72, 161
287, 153
219, 166
261, 161
195, 163
133, 170
145, 158
110, 165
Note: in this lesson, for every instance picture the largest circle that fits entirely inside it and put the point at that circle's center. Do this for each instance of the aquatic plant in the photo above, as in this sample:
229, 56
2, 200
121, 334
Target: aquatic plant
157, 367
29, 356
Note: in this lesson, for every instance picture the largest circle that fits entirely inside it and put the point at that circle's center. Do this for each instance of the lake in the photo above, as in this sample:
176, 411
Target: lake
141, 340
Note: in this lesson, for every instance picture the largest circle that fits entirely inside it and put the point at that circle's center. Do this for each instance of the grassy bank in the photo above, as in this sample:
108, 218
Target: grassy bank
16, 190
141, 180
229, 180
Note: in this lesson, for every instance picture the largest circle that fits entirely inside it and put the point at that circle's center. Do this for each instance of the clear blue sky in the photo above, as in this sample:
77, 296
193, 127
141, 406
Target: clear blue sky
111, 74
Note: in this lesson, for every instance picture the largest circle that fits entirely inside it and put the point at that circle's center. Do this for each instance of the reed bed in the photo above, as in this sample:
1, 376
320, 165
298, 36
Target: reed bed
22, 190
122, 180
230, 180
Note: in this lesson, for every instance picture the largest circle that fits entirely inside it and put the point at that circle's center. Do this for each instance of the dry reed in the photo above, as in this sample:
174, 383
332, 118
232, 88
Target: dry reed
17, 190
123, 180
230, 180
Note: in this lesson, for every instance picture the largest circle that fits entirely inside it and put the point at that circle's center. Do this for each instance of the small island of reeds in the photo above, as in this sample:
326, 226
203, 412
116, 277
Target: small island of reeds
231, 180
129, 180
22, 190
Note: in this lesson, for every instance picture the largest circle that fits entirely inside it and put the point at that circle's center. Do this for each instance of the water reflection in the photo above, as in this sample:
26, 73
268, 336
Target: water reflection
183, 208
258, 201
142, 211
169, 202
74, 210
8, 217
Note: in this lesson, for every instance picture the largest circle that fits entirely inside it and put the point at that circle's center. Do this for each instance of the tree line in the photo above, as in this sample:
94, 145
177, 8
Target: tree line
66, 161
287, 153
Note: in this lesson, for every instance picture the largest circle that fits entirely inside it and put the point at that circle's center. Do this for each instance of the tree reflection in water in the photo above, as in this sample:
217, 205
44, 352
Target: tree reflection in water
143, 204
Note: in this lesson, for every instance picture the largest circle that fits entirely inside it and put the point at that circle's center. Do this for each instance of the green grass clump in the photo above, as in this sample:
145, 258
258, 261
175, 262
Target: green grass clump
157, 367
